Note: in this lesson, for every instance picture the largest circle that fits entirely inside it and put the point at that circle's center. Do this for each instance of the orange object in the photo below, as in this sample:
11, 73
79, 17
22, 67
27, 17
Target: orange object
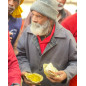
22, 24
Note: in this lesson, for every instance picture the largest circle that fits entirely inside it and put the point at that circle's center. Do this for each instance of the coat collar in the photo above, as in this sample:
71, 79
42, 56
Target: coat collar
59, 31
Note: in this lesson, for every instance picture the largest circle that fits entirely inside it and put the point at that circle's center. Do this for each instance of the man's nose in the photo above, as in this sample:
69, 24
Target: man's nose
11, 2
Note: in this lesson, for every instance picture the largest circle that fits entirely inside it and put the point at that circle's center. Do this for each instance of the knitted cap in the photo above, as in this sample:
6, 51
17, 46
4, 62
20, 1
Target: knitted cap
46, 7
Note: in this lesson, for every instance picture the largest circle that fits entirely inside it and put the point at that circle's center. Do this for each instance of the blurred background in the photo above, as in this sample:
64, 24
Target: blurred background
71, 6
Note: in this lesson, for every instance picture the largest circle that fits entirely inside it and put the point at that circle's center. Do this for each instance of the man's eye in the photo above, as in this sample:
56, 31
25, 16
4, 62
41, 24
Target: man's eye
39, 16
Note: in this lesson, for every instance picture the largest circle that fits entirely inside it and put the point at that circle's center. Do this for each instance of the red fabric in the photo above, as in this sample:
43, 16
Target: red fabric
44, 43
70, 23
73, 81
14, 74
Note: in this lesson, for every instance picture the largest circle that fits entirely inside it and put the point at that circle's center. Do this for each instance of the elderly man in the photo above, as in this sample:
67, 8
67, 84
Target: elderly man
46, 41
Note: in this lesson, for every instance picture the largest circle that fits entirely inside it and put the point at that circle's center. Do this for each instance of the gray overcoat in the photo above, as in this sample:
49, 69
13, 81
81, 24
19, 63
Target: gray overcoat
61, 52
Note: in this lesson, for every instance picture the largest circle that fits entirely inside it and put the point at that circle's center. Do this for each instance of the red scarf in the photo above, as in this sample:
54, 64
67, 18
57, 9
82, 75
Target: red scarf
44, 43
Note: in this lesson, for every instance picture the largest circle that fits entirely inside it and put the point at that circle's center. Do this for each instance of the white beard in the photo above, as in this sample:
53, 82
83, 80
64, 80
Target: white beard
40, 30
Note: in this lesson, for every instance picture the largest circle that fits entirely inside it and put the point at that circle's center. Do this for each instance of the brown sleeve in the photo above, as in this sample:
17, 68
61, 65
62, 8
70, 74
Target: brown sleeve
27, 20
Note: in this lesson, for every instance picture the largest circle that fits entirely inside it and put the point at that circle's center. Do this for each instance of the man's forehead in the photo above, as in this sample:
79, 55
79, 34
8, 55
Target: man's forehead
37, 13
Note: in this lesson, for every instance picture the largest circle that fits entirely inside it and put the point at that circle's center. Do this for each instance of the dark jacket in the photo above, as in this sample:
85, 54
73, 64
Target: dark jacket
64, 14
14, 27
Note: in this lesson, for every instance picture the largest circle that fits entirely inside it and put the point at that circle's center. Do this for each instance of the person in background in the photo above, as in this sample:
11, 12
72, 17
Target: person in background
70, 23
14, 19
14, 73
46, 41
27, 21
63, 13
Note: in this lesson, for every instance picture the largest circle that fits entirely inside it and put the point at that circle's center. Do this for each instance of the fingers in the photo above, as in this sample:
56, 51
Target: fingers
23, 73
10, 38
51, 79
60, 76
10, 33
24, 78
54, 79
32, 85
27, 81
60, 72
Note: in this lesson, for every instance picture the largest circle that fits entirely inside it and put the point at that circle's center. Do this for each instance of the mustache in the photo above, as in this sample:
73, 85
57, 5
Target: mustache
44, 25
35, 24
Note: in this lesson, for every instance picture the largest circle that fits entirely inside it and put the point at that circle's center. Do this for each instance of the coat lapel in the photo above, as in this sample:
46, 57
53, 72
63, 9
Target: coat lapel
57, 34
51, 44
35, 42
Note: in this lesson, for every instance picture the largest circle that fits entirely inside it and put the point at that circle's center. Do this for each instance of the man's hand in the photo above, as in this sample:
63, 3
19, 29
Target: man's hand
23, 73
27, 81
10, 35
62, 76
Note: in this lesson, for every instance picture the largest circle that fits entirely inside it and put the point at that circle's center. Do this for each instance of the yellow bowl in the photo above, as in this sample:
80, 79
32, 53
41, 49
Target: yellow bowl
34, 77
